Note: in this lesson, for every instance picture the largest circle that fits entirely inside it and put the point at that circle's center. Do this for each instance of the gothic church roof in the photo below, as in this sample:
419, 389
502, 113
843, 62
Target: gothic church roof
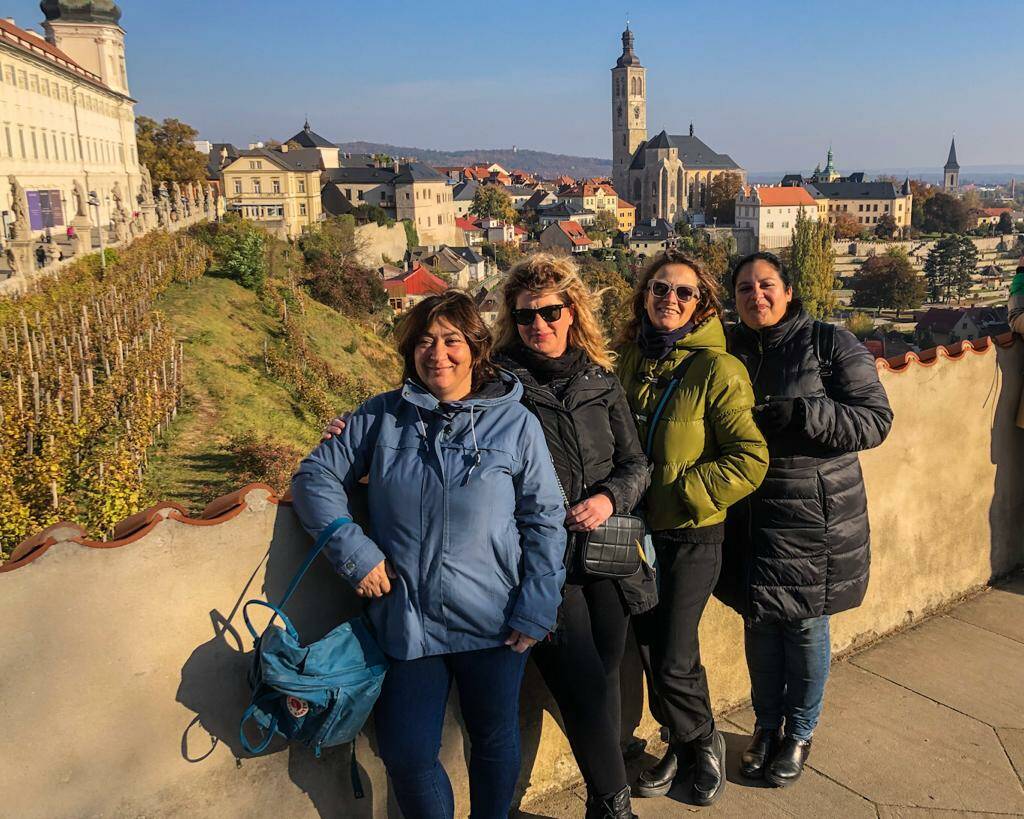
693, 153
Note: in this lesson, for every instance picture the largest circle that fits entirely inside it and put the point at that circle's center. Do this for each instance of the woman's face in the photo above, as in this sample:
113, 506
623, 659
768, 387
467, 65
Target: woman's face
550, 338
668, 312
444, 361
762, 298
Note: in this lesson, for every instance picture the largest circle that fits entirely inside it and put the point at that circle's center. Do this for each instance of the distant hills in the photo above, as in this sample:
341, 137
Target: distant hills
536, 162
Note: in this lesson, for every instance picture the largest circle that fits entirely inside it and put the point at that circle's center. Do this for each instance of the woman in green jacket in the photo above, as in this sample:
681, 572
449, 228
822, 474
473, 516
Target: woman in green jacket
692, 403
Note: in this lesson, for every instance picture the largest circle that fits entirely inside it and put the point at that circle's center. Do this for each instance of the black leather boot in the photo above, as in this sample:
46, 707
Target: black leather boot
615, 806
763, 745
708, 768
657, 780
788, 764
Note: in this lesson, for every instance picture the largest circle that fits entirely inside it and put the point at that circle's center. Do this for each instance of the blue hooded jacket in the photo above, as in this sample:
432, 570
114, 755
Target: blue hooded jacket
463, 503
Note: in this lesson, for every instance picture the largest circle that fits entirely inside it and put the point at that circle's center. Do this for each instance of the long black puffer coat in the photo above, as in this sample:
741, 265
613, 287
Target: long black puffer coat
594, 445
799, 546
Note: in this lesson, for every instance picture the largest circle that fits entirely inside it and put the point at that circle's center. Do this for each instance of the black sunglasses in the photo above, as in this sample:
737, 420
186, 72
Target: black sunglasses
525, 315
684, 292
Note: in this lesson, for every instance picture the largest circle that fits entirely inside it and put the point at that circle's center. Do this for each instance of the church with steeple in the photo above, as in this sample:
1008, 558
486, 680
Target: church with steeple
666, 177
951, 171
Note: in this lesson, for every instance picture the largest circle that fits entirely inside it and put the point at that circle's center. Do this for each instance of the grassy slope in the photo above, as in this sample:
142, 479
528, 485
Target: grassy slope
223, 327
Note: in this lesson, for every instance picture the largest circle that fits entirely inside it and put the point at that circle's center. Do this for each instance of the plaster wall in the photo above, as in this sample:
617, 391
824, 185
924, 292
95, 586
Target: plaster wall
124, 664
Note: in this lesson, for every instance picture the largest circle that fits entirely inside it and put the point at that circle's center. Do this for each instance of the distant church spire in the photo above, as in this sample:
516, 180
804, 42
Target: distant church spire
691, 128
951, 163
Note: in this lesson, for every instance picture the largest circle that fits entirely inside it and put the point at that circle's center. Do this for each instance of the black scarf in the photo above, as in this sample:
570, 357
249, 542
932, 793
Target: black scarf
655, 343
546, 369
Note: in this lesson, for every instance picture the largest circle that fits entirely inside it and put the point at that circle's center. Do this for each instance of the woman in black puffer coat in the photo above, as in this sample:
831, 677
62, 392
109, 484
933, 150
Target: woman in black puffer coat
798, 549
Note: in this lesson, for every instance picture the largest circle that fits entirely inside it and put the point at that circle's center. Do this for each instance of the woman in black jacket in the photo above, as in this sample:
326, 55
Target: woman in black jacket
798, 549
548, 335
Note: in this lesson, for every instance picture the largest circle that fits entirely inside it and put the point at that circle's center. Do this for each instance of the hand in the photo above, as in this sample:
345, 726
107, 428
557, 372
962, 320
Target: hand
520, 642
336, 427
591, 513
776, 415
377, 581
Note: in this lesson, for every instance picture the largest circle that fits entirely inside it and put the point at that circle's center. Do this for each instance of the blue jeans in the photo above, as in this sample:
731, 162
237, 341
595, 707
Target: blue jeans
409, 718
788, 663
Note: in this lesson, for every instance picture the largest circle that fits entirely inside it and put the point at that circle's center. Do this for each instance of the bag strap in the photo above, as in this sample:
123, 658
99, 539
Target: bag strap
325, 535
823, 336
676, 378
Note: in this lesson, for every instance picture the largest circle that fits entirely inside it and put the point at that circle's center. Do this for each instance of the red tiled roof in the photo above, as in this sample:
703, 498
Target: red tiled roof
467, 223
775, 195
624, 204
32, 44
577, 235
417, 282
995, 211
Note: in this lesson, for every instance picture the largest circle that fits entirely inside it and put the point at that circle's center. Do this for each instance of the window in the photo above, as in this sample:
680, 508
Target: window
860, 207
33, 83
256, 186
876, 207
785, 224
238, 186
439, 199
302, 186
35, 146
362, 195
44, 86
770, 225
428, 221
276, 185
302, 208
383, 196
406, 196
886, 208
10, 145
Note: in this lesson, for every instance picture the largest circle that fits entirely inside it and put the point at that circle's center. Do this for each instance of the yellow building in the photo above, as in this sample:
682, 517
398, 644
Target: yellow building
595, 198
867, 202
279, 189
626, 214
66, 115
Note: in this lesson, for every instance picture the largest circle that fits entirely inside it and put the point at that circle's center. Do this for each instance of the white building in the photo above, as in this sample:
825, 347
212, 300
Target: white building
66, 115
770, 211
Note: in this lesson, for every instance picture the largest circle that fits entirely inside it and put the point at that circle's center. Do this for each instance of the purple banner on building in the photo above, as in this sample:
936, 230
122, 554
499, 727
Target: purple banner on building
56, 208
35, 210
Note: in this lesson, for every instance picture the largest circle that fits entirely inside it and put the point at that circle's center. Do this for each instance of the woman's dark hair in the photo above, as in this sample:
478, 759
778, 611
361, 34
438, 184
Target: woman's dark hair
760, 256
709, 303
459, 310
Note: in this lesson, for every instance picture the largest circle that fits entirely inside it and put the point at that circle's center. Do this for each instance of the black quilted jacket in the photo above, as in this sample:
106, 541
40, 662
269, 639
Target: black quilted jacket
800, 545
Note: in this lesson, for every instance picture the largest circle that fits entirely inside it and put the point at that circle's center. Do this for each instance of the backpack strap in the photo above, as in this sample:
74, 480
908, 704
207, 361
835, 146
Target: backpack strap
321, 541
676, 377
823, 337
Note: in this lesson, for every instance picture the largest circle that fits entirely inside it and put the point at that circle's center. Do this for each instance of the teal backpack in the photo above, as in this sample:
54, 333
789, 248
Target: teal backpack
319, 694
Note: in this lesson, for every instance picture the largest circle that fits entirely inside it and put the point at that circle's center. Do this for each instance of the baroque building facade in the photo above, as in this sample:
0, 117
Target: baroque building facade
66, 117
667, 177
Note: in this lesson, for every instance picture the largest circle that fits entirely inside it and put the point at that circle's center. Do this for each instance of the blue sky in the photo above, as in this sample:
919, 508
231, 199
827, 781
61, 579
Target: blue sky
772, 84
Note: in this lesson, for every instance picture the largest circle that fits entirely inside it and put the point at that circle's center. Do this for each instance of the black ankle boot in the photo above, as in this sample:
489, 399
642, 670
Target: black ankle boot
708, 768
788, 764
763, 745
616, 806
657, 780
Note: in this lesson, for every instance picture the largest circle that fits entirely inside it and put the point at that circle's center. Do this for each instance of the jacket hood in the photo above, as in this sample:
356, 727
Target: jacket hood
504, 389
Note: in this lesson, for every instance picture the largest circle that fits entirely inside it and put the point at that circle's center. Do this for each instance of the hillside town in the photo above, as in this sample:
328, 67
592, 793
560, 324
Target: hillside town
656, 466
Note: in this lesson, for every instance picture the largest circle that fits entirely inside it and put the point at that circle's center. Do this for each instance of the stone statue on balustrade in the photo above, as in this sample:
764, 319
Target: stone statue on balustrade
51, 251
145, 187
19, 207
163, 209
12, 260
177, 203
118, 216
81, 201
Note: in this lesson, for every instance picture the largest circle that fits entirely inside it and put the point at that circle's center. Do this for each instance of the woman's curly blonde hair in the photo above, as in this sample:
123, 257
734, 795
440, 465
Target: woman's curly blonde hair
547, 273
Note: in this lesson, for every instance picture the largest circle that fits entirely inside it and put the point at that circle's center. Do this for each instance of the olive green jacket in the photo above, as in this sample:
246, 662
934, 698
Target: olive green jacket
707, 451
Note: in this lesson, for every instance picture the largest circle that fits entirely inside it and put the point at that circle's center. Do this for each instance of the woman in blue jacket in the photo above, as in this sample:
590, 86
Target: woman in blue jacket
462, 559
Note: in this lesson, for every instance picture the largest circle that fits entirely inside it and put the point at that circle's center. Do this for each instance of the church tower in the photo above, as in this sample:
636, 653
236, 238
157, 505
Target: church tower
951, 171
88, 31
629, 112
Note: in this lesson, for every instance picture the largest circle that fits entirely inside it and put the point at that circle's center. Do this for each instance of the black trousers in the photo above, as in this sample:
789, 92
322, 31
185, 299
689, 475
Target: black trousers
667, 635
581, 669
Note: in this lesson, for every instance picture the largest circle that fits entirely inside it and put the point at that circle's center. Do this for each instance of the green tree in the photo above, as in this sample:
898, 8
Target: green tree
886, 227
605, 222
333, 274
382, 160
240, 254
167, 148
504, 254
922, 192
860, 324
725, 187
491, 202
949, 267
1005, 223
812, 262
888, 280
946, 214
604, 279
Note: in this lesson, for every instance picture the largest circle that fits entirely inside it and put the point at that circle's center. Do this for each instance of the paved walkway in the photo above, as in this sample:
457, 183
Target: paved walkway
928, 723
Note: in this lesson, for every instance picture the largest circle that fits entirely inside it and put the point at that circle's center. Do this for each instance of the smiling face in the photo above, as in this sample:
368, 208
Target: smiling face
667, 312
444, 361
762, 298
550, 338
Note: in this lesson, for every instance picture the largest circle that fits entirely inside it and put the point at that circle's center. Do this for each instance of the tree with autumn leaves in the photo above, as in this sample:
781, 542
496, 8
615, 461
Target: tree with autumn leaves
167, 148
